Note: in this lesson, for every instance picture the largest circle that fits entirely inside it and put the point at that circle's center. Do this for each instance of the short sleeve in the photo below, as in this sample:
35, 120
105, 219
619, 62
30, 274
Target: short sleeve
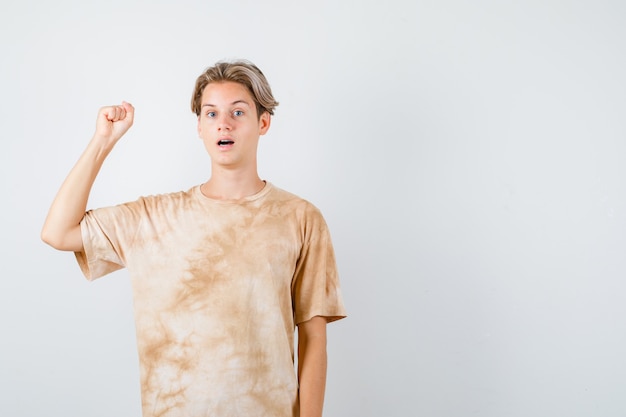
316, 289
107, 233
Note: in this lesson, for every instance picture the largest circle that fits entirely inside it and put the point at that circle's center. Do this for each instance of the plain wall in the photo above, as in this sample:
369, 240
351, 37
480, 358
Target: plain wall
468, 158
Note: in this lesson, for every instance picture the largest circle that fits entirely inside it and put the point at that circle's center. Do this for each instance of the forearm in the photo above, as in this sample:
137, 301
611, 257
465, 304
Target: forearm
312, 365
62, 226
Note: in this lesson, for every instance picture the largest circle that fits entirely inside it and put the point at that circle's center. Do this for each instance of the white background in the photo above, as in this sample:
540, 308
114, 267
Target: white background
468, 158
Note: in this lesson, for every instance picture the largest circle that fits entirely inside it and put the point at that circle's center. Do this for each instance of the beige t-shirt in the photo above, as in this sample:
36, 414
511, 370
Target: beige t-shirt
218, 288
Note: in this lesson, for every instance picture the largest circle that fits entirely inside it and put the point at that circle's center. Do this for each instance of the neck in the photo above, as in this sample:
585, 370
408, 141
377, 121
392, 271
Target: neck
228, 185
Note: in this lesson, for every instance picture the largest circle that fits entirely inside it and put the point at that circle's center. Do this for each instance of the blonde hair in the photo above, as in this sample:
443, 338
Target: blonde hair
242, 72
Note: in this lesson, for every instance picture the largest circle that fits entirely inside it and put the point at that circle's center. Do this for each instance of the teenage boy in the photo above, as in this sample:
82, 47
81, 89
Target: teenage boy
222, 273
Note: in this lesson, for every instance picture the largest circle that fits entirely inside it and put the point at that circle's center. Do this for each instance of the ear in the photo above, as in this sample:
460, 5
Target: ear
199, 128
264, 122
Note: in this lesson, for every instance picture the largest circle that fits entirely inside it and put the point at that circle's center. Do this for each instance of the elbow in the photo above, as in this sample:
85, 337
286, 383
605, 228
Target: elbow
58, 241
50, 238
45, 236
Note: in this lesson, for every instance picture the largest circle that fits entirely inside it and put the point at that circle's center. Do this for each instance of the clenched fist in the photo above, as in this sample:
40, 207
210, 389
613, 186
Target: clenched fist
114, 121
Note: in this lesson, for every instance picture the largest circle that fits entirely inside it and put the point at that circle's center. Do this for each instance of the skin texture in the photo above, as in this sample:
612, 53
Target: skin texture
228, 112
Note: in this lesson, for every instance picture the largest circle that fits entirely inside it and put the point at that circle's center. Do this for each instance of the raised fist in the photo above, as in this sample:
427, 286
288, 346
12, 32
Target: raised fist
114, 121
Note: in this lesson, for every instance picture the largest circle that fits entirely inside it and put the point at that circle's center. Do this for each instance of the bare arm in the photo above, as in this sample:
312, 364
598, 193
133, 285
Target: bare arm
312, 366
61, 230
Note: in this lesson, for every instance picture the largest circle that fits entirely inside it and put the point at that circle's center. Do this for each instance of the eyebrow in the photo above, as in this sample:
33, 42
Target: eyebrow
232, 104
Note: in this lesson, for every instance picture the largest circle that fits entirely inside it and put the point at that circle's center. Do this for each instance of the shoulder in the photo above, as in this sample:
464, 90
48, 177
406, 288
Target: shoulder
293, 201
300, 211
147, 204
173, 198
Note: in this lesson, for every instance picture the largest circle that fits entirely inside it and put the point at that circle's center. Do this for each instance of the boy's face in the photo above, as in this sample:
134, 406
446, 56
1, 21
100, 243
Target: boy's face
229, 126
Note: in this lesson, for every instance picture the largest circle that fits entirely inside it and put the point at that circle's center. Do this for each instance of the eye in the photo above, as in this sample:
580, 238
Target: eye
238, 113
210, 114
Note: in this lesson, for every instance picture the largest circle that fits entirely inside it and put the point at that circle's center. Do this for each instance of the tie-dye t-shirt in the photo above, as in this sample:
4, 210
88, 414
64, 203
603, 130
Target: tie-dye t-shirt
218, 288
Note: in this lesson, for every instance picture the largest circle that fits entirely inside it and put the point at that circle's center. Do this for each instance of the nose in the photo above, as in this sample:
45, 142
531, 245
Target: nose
223, 123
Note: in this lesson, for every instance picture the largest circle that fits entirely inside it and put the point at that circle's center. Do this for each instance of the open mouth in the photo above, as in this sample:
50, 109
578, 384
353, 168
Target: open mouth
225, 142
